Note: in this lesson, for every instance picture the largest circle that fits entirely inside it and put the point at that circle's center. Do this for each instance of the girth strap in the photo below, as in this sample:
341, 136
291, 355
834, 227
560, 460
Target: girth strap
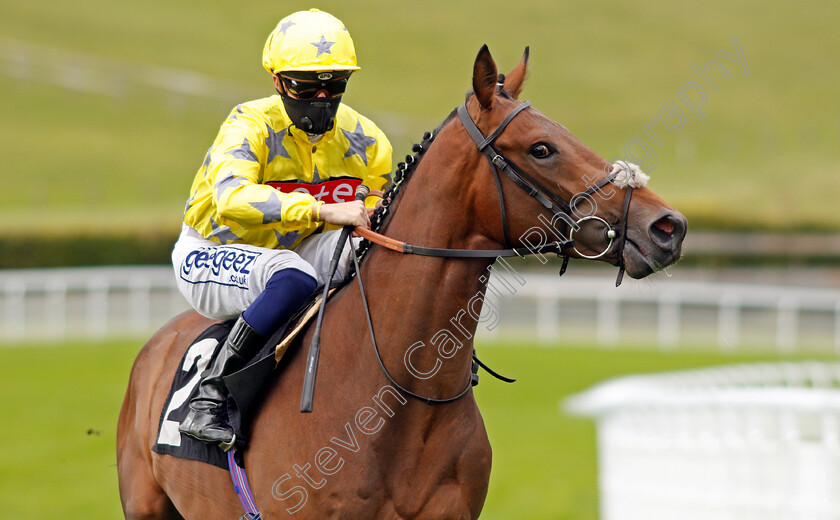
242, 488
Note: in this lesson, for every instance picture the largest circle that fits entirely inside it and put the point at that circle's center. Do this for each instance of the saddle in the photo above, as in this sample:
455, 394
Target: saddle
243, 386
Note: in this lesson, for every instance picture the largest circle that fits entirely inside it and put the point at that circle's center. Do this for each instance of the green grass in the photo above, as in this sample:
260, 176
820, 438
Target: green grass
61, 404
764, 156
60, 407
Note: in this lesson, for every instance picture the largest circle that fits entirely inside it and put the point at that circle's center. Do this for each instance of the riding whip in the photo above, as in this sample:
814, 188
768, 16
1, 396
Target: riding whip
308, 394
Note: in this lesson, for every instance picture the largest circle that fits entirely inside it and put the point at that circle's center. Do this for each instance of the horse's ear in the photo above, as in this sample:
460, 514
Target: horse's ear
485, 76
514, 80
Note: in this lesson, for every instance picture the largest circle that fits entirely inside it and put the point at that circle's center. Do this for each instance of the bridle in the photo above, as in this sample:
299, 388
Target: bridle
558, 207
566, 211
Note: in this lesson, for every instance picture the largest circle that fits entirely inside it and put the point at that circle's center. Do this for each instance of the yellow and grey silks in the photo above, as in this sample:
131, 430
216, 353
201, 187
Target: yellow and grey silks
262, 175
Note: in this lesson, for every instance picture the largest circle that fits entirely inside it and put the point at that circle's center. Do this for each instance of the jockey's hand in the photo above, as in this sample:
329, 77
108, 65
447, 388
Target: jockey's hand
346, 214
374, 208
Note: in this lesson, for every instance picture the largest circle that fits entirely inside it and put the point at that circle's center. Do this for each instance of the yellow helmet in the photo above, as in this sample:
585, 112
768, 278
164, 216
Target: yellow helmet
309, 41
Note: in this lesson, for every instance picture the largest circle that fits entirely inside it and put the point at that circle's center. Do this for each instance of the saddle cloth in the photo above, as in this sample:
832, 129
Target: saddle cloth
244, 385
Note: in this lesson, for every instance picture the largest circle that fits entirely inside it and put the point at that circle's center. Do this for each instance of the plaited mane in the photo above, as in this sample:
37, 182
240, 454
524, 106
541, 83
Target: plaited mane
405, 168
398, 179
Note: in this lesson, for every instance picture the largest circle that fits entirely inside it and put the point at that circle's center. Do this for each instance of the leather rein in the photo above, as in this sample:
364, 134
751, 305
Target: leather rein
556, 205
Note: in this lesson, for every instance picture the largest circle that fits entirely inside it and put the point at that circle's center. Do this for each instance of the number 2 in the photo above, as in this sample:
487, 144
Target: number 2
198, 355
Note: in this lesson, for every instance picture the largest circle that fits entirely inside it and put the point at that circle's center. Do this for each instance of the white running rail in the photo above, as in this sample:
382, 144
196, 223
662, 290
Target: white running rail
96, 302
86, 303
758, 441
670, 312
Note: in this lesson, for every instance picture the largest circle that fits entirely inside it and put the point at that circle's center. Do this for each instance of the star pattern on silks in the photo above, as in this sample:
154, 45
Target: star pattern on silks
274, 142
359, 142
271, 208
244, 152
285, 26
206, 162
323, 46
189, 202
238, 112
222, 233
316, 177
229, 181
286, 240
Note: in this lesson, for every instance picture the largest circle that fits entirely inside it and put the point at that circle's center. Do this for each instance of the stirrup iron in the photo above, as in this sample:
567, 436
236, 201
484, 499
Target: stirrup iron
227, 446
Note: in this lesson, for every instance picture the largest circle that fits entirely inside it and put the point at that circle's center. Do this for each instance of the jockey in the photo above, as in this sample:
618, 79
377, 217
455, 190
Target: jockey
266, 205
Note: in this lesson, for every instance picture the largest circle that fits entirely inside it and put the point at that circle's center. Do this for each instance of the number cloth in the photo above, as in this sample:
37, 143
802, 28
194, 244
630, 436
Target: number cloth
197, 358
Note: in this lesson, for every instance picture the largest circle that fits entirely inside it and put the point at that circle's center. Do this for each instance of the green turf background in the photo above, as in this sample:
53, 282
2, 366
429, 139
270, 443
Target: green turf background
763, 157
60, 406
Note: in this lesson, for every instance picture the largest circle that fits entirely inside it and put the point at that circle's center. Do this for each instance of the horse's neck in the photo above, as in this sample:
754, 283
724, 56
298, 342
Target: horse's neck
430, 303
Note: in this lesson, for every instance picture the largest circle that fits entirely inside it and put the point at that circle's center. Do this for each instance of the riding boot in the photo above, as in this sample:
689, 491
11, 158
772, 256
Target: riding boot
207, 419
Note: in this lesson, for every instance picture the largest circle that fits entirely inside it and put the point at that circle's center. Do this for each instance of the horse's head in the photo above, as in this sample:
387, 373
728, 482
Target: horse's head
570, 178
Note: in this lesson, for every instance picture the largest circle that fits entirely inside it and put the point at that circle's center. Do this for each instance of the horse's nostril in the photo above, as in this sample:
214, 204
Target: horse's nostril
667, 232
665, 226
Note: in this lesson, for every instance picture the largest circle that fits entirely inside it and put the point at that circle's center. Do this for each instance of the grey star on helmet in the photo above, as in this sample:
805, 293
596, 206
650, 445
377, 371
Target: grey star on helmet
222, 233
271, 208
244, 152
359, 142
286, 240
274, 141
285, 26
229, 181
323, 46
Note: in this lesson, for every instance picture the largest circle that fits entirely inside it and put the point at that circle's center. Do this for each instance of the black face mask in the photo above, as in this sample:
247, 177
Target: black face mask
315, 116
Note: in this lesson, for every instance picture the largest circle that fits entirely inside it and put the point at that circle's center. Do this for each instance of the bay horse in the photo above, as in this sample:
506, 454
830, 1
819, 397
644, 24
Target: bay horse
367, 451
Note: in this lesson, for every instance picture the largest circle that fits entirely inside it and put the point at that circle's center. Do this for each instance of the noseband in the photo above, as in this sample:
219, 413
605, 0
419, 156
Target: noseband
558, 207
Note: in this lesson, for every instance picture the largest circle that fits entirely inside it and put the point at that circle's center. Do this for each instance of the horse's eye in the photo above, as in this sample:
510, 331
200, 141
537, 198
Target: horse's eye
540, 151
